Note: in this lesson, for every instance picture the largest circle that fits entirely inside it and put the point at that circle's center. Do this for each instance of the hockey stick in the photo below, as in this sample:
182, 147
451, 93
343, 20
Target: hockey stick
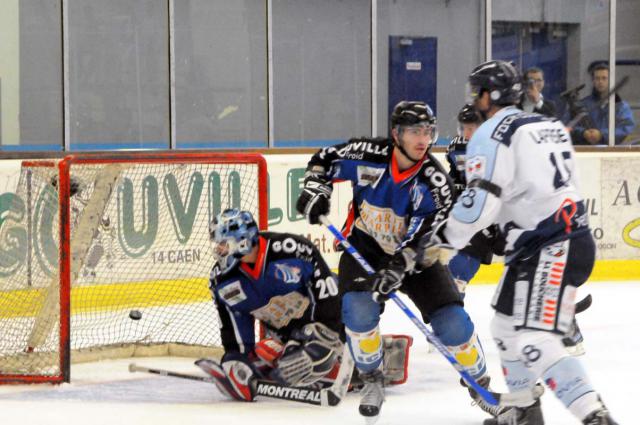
331, 396
263, 388
583, 304
487, 395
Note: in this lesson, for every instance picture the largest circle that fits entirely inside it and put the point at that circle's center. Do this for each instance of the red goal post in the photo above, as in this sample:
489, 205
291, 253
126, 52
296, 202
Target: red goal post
110, 235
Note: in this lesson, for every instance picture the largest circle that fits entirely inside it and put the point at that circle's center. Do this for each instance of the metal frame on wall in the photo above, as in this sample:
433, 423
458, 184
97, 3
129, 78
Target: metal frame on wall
488, 4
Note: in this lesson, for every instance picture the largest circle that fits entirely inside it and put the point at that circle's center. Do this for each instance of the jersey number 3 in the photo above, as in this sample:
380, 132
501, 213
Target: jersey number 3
559, 162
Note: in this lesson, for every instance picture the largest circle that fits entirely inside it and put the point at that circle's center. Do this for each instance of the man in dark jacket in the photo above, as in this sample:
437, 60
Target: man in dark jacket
532, 99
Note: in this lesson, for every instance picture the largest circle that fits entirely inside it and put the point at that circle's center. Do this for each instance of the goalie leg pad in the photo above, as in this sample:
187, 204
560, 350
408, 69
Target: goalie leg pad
396, 358
234, 378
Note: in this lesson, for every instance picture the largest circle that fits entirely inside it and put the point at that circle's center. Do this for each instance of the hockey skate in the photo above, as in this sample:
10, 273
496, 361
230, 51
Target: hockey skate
372, 395
531, 415
599, 417
479, 401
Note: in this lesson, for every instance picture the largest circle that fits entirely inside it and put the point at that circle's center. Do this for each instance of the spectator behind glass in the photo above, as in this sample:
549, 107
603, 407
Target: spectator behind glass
532, 99
599, 135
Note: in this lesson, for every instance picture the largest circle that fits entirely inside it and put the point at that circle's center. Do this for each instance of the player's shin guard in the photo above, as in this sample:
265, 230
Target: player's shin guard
366, 349
568, 380
361, 316
471, 356
453, 326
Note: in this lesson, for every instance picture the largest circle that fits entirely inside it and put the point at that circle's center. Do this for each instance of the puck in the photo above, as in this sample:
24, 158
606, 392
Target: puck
135, 315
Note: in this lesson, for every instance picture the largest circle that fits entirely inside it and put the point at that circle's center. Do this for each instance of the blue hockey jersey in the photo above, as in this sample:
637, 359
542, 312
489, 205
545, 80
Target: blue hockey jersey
391, 209
289, 286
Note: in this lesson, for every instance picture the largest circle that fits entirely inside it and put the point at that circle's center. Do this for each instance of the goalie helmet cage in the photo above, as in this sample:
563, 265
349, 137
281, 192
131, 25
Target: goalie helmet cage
117, 257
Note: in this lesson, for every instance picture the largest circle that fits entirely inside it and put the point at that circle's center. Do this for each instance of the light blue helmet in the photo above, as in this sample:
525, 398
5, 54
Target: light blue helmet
233, 233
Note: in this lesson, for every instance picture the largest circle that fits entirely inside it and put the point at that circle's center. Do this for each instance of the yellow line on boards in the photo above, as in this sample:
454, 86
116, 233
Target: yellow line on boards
113, 296
604, 270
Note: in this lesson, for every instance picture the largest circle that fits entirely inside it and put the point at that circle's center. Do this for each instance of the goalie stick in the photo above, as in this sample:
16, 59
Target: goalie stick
331, 396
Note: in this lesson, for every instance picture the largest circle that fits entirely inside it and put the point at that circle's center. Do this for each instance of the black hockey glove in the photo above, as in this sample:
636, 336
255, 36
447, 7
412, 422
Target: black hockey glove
314, 200
433, 246
388, 279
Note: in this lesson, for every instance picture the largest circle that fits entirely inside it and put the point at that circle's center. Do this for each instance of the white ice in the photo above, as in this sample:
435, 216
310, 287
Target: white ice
106, 393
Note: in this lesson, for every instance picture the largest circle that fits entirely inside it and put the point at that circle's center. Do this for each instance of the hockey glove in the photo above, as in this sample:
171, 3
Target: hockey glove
314, 200
309, 357
234, 376
388, 279
433, 246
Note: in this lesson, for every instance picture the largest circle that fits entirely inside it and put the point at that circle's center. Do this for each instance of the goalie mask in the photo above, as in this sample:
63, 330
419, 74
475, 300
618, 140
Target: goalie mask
233, 234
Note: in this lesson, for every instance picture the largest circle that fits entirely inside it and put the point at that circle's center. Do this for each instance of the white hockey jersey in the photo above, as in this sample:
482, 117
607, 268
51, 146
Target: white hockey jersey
521, 174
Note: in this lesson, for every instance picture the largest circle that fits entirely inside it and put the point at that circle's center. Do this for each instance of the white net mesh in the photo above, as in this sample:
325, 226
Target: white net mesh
140, 259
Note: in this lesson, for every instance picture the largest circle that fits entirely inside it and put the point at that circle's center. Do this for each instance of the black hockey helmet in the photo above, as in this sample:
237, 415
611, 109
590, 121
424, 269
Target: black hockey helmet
469, 114
500, 78
409, 113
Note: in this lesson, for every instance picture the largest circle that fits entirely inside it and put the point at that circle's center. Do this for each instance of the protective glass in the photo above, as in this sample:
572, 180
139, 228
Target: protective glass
422, 129
472, 93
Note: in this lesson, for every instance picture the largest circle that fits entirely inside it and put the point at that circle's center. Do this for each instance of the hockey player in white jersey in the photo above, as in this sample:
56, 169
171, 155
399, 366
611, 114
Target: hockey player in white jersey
521, 174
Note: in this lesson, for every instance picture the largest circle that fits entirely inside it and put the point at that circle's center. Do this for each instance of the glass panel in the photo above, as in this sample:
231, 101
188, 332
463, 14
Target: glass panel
321, 71
562, 40
30, 75
118, 74
628, 65
221, 73
426, 49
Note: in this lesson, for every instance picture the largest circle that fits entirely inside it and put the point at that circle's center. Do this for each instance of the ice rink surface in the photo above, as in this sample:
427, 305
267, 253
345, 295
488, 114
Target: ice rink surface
106, 393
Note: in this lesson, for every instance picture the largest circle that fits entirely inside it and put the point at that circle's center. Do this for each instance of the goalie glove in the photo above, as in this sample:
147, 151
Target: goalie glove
314, 200
307, 358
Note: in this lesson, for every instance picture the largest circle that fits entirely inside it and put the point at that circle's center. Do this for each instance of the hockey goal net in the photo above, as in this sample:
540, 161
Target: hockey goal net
109, 256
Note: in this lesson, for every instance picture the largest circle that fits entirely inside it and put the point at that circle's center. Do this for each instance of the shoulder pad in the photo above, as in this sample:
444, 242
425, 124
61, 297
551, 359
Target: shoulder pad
511, 123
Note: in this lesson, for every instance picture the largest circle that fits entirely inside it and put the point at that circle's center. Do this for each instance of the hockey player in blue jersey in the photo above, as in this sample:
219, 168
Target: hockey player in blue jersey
399, 189
281, 280
521, 175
